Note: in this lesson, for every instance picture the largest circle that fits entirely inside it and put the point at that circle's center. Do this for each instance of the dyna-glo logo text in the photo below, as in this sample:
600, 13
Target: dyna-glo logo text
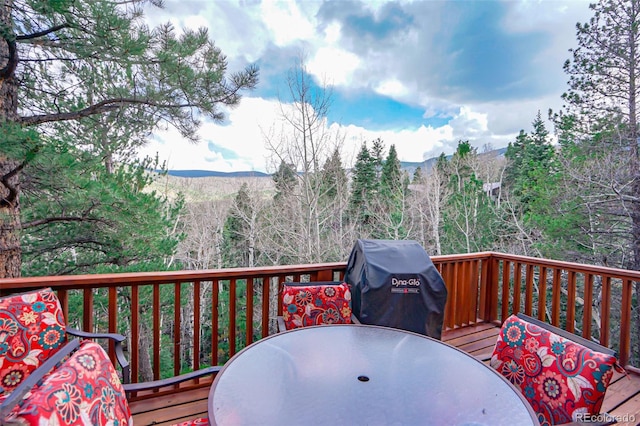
411, 282
409, 285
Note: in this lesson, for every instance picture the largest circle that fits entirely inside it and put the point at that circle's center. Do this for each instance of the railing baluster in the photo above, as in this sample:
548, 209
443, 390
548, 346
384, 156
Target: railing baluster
571, 301
528, 299
517, 287
87, 309
506, 272
625, 321
265, 306
177, 332
135, 333
605, 307
156, 331
556, 291
472, 314
458, 295
542, 294
450, 308
249, 321
232, 317
196, 324
587, 311
113, 319
215, 295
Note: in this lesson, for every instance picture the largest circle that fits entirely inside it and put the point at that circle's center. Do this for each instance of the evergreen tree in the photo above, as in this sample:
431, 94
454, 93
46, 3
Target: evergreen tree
391, 176
391, 206
531, 160
93, 220
417, 175
236, 242
285, 179
598, 132
377, 155
364, 187
334, 178
70, 61
468, 219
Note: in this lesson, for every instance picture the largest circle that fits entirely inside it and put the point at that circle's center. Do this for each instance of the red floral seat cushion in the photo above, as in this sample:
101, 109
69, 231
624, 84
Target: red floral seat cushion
84, 390
305, 304
560, 378
198, 421
32, 328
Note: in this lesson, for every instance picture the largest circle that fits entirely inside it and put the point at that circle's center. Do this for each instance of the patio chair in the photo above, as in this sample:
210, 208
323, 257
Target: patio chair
563, 376
34, 347
315, 303
76, 385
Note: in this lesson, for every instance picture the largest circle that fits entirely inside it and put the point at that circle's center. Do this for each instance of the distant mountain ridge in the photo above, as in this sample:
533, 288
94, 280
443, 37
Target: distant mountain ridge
211, 173
409, 166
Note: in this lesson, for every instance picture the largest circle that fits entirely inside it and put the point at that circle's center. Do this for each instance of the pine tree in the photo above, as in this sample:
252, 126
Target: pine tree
73, 61
334, 178
364, 187
285, 180
531, 160
391, 176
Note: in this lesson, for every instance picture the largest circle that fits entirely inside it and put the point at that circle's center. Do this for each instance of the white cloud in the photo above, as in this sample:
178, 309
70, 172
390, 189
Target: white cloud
408, 67
286, 22
241, 134
337, 64
393, 88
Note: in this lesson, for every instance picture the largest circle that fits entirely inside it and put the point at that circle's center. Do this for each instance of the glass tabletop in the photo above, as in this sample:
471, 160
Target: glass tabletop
361, 375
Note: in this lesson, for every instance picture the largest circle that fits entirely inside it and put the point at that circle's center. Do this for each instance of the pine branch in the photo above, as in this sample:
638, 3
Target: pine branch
99, 108
42, 33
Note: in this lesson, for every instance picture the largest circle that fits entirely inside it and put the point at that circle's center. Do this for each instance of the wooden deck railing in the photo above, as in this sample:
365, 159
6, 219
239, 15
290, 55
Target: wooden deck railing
177, 321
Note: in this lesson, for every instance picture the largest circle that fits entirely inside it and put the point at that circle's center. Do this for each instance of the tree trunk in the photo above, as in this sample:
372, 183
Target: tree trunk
145, 371
10, 252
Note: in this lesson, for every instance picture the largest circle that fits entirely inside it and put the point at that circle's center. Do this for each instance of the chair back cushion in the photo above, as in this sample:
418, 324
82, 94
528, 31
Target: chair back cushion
306, 304
560, 378
32, 328
84, 390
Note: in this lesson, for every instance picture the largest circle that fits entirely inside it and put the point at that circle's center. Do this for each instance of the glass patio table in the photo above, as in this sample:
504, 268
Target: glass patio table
361, 375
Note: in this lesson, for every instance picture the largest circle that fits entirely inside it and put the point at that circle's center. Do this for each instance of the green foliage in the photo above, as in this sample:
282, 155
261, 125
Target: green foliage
364, 187
334, 178
391, 177
285, 180
468, 220
237, 245
94, 75
78, 217
531, 159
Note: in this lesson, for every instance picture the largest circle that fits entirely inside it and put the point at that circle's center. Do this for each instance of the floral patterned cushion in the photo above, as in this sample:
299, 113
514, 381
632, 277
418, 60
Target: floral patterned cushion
305, 304
32, 328
84, 390
560, 378
198, 421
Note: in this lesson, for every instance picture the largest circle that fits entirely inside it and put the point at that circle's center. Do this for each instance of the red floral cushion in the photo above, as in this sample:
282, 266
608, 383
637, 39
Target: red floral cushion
560, 378
32, 328
84, 390
316, 303
198, 421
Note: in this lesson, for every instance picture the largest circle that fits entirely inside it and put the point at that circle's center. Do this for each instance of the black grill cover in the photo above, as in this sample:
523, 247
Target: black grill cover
395, 284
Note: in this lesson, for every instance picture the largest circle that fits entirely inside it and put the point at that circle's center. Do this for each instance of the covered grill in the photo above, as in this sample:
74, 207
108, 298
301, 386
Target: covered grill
395, 284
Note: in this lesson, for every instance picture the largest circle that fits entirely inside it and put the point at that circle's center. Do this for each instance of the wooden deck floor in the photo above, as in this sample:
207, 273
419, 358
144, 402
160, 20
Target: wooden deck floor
622, 397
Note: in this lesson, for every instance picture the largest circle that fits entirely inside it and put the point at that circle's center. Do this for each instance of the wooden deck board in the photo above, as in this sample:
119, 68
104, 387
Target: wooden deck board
621, 400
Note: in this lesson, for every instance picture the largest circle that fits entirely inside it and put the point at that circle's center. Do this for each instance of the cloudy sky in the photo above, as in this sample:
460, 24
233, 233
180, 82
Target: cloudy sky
421, 75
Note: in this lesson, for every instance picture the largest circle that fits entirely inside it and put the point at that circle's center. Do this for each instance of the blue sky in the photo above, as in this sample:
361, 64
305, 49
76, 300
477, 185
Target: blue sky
421, 75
